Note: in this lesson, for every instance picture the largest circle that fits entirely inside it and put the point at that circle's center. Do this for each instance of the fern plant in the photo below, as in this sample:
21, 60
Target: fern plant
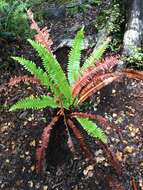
67, 94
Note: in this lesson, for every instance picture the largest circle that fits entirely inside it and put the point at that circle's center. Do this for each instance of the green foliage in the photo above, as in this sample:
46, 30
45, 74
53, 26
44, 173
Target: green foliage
111, 20
92, 129
95, 55
54, 78
13, 17
54, 70
34, 70
136, 60
74, 57
35, 103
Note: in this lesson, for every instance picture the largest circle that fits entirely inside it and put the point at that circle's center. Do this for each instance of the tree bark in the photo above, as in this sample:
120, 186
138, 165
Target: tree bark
133, 34
134, 28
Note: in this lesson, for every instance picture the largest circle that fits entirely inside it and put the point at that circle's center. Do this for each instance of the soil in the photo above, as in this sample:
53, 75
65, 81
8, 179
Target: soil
121, 103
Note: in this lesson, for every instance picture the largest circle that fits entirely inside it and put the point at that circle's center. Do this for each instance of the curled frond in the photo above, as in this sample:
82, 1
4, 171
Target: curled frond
95, 88
81, 139
74, 57
130, 73
35, 103
40, 152
98, 79
92, 129
107, 64
42, 35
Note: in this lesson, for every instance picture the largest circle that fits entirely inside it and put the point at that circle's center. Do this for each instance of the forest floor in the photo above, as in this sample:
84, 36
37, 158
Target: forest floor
121, 103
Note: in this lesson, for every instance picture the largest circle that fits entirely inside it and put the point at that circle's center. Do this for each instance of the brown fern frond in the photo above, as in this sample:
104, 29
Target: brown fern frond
16, 80
111, 158
101, 120
3, 87
42, 35
40, 152
70, 142
130, 73
81, 139
97, 80
133, 183
107, 64
97, 87
25, 78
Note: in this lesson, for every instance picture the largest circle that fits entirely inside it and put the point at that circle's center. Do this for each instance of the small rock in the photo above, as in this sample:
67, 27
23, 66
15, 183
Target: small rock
119, 155
32, 168
129, 149
7, 161
89, 171
33, 143
100, 159
45, 187
114, 115
30, 183
98, 152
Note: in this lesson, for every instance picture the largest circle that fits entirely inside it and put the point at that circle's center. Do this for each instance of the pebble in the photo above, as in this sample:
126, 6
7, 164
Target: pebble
88, 171
32, 168
114, 115
98, 152
113, 91
100, 159
33, 143
129, 149
7, 161
119, 155
30, 183
45, 187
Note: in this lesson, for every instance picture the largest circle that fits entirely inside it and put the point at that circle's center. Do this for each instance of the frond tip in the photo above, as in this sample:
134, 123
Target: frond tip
92, 129
34, 103
74, 57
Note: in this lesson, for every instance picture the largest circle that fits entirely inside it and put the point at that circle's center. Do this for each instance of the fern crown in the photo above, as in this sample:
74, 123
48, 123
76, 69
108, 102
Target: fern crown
53, 77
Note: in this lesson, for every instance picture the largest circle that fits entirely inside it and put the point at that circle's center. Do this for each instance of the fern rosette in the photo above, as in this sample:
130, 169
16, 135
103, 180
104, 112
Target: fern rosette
67, 94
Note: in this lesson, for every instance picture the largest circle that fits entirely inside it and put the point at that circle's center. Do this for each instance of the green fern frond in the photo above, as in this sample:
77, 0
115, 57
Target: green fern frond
54, 70
35, 103
74, 57
95, 55
34, 70
92, 129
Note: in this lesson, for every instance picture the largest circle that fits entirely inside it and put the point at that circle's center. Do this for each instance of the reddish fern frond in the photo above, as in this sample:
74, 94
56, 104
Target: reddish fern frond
91, 72
97, 80
130, 73
16, 80
40, 152
101, 120
42, 35
25, 78
81, 139
133, 183
114, 184
97, 87
112, 159
3, 87
70, 142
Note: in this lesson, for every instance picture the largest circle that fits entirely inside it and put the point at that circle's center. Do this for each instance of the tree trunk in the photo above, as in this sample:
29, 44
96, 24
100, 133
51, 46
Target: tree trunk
134, 28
